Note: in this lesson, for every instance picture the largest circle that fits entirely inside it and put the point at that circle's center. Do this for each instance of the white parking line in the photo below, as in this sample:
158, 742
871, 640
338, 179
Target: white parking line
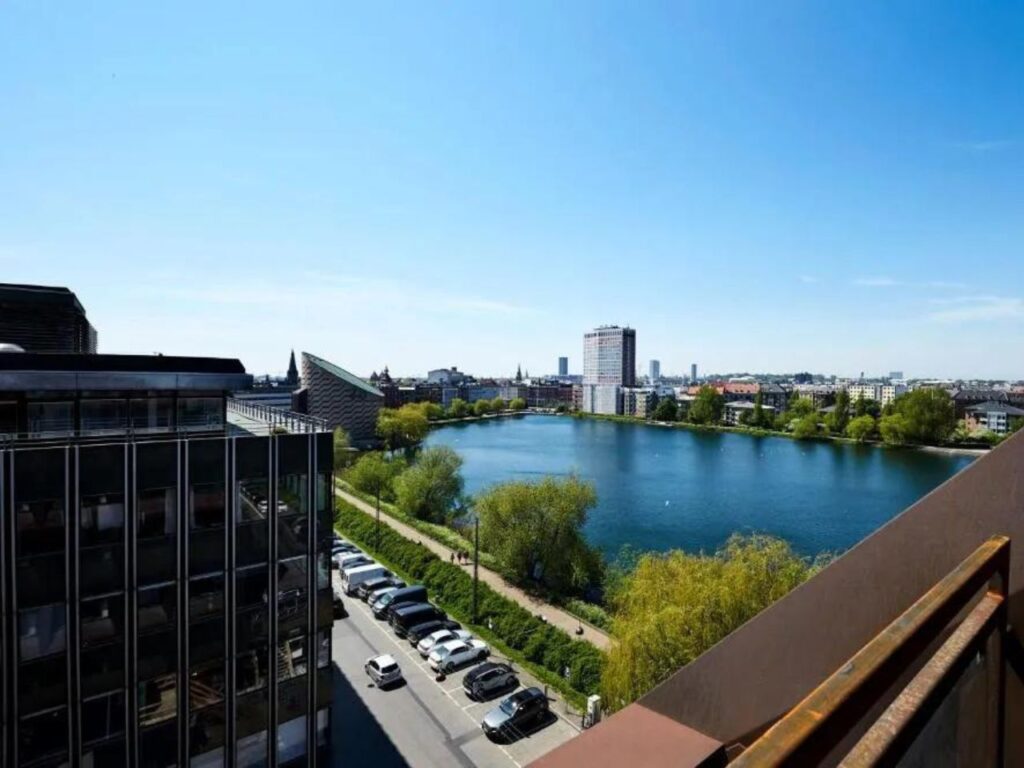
399, 643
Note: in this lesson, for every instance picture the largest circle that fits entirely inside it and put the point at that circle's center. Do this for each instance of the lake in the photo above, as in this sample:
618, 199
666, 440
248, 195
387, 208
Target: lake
662, 488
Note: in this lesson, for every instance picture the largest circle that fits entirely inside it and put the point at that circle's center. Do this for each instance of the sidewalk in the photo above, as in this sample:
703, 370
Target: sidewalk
554, 615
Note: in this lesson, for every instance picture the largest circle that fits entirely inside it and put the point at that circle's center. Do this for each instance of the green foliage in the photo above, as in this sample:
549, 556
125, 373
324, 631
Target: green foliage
666, 410
402, 427
497, 405
866, 407
517, 404
861, 428
535, 531
893, 429
674, 606
342, 454
800, 407
589, 612
519, 634
759, 418
432, 411
373, 474
707, 406
430, 488
927, 415
481, 407
806, 427
458, 408
838, 420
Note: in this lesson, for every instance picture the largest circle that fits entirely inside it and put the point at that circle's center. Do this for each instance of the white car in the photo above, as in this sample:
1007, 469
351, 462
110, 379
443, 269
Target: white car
455, 653
383, 670
351, 559
441, 637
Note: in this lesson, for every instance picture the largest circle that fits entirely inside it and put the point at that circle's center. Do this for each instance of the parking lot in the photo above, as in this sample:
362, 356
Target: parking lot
422, 722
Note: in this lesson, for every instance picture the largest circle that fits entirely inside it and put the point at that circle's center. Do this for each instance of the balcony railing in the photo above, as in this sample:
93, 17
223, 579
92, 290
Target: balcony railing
271, 419
966, 610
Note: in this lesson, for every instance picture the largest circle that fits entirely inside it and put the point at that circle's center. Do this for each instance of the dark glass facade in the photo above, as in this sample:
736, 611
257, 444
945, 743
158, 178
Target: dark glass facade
44, 319
163, 597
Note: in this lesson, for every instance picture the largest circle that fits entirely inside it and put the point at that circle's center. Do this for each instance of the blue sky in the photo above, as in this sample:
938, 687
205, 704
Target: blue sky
754, 186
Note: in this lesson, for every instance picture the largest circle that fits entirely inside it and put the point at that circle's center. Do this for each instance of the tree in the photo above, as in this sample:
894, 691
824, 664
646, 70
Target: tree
432, 411
458, 408
800, 407
757, 418
481, 407
707, 406
535, 530
666, 410
517, 404
806, 427
342, 449
374, 474
431, 487
860, 428
674, 606
402, 427
840, 417
927, 415
498, 405
893, 429
863, 406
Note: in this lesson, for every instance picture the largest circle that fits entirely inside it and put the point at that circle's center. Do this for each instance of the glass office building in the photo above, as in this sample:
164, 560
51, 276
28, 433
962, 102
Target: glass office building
165, 575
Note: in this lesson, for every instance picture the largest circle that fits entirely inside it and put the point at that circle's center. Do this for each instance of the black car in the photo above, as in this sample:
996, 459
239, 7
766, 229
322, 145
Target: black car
487, 679
517, 714
418, 632
339, 607
363, 590
408, 616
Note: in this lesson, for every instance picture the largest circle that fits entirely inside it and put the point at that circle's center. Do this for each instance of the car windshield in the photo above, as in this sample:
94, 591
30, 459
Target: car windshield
388, 669
508, 706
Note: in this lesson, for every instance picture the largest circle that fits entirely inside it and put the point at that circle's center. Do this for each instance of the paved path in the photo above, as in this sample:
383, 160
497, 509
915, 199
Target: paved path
553, 614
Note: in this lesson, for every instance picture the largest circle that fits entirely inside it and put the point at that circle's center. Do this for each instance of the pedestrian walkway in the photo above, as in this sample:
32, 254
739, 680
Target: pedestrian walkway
553, 614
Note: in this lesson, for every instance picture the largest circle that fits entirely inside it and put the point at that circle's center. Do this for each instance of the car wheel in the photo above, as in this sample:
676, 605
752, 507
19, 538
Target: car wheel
481, 656
448, 667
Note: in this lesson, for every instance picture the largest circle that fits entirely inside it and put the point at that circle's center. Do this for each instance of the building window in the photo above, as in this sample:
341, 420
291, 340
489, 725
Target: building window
212, 759
156, 607
156, 513
152, 414
43, 735
322, 725
41, 631
102, 717
200, 413
102, 620
206, 597
103, 416
8, 418
251, 751
251, 586
323, 656
207, 507
158, 699
102, 519
291, 740
40, 527
50, 419
291, 658
251, 670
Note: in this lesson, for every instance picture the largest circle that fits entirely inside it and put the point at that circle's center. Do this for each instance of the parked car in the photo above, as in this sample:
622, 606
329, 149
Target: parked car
383, 670
339, 606
410, 615
363, 590
483, 681
354, 576
344, 547
449, 656
418, 632
384, 607
352, 559
442, 636
378, 594
521, 710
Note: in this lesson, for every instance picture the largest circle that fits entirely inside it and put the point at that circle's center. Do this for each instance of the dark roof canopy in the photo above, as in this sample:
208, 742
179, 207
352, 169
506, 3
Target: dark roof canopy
28, 361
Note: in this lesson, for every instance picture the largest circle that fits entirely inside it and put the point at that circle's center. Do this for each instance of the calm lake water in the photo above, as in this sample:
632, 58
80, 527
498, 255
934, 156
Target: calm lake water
674, 488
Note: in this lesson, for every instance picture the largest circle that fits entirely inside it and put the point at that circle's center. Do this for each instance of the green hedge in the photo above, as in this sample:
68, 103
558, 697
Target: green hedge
549, 649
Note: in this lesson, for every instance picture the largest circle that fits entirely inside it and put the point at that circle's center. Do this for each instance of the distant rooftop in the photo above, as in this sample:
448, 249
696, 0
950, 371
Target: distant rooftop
342, 374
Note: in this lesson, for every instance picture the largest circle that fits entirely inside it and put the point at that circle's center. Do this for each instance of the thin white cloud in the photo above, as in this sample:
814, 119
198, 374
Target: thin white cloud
946, 284
808, 279
982, 146
966, 309
876, 282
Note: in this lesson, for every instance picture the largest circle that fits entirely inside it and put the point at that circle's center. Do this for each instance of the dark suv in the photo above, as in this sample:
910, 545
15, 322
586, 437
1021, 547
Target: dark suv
487, 679
520, 711
363, 590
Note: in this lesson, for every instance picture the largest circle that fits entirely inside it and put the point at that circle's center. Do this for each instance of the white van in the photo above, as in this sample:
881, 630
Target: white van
353, 577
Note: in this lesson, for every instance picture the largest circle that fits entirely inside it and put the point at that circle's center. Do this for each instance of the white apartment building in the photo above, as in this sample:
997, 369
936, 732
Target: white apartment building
881, 393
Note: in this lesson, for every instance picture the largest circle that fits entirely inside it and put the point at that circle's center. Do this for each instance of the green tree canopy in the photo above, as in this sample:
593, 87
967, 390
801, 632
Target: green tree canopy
927, 415
800, 407
806, 427
481, 407
535, 531
861, 428
707, 406
666, 410
432, 411
342, 449
517, 404
458, 408
674, 606
840, 417
402, 427
893, 429
374, 474
863, 406
497, 405
432, 486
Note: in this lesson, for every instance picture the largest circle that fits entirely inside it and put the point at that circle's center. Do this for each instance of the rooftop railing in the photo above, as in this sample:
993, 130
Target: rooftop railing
273, 419
966, 611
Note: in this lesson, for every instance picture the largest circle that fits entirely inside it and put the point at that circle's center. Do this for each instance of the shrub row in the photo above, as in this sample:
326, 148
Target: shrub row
451, 587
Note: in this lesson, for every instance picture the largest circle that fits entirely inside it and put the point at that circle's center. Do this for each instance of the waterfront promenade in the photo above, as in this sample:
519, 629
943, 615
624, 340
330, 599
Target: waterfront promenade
553, 614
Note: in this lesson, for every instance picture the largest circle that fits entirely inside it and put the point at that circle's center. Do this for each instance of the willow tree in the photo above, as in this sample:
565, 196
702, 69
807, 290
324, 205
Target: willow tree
674, 606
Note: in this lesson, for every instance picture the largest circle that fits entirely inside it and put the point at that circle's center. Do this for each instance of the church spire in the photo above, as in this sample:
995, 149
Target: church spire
519, 373
293, 372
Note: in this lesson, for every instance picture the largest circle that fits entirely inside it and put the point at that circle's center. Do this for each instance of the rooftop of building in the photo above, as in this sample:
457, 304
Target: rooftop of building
341, 373
990, 406
39, 294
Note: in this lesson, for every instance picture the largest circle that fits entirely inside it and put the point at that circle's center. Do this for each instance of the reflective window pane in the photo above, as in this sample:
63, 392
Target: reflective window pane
200, 413
41, 631
251, 751
40, 527
158, 699
102, 519
102, 717
156, 607
42, 735
103, 416
152, 414
102, 620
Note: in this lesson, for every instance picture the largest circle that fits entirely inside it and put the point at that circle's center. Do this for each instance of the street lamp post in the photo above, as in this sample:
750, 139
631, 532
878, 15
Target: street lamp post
378, 518
476, 564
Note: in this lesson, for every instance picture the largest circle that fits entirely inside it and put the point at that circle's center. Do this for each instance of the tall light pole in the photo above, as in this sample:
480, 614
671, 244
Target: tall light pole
476, 564
378, 517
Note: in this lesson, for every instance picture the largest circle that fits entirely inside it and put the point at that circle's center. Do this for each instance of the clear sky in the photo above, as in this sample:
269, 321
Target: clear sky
776, 186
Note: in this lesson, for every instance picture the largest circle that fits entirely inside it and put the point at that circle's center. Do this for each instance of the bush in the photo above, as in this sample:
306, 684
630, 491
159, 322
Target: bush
551, 649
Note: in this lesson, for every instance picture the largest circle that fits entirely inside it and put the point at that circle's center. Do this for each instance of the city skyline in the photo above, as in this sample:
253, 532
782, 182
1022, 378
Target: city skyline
680, 170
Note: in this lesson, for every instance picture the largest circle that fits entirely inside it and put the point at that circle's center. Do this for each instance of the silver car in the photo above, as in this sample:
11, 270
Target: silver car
383, 670
427, 644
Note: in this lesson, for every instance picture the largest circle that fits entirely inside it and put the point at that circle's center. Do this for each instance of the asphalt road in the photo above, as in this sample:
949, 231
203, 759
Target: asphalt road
422, 723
